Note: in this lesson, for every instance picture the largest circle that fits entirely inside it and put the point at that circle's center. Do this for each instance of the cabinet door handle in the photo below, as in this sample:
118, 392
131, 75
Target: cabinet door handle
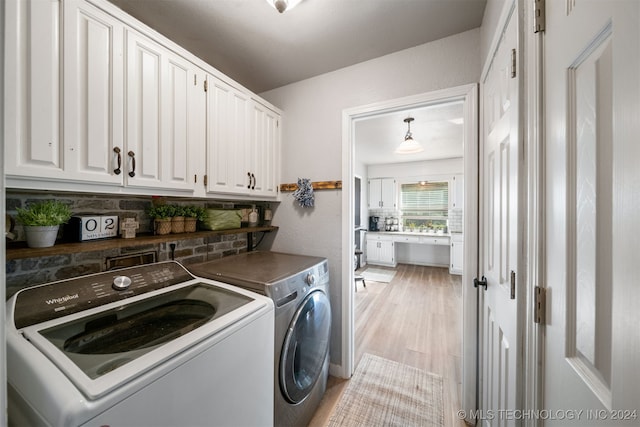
133, 163
119, 153
249, 175
253, 187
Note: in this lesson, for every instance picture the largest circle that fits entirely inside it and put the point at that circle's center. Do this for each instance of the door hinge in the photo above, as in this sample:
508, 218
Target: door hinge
513, 63
204, 181
195, 80
540, 305
538, 16
513, 284
206, 85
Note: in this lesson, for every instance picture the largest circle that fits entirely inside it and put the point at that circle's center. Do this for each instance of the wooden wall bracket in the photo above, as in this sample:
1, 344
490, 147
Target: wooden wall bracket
317, 185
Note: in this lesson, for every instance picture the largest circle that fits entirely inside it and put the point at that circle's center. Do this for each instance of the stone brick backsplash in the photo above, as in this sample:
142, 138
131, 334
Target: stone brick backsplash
22, 273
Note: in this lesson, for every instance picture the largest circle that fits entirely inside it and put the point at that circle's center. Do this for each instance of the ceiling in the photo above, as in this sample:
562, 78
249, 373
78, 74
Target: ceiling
249, 41
438, 128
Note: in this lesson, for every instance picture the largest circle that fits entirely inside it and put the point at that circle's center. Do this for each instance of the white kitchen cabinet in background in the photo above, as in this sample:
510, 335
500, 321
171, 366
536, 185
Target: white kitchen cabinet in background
456, 253
456, 192
381, 250
382, 193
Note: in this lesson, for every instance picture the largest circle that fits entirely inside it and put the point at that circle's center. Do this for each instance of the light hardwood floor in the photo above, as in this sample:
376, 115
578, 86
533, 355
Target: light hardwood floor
416, 319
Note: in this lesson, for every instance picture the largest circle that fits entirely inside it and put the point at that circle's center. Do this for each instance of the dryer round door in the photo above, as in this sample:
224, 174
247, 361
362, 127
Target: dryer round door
305, 347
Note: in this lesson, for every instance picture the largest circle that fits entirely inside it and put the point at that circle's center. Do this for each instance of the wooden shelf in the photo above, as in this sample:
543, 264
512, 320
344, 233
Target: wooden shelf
21, 251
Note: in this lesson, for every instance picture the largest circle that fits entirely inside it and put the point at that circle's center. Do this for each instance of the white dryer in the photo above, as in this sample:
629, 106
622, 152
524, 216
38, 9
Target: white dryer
148, 346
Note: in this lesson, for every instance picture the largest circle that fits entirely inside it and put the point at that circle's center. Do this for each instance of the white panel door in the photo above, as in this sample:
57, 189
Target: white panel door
388, 193
144, 112
499, 341
591, 94
93, 94
263, 149
227, 139
375, 191
176, 131
34, 145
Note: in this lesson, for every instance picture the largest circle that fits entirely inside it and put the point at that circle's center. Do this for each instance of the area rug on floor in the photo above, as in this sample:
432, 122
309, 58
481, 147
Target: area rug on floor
378, 275
386, 393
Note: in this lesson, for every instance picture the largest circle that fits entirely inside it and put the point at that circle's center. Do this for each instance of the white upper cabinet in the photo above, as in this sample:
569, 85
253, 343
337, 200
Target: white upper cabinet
144, 111
227, 138
93, 94
263, 150
243, 139
180, 131
33, 139
382, 193
456, 192
97, 101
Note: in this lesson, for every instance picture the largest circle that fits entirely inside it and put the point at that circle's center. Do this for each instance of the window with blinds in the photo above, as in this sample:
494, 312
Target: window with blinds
425, 201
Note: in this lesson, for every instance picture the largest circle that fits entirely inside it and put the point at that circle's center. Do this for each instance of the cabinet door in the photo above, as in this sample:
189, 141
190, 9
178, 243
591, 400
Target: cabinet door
388, 193
373, 251
198, 132
176, 131
93, 94
264, 149
33, 143
144, 112
227, 139
387, 251
375, 191
456, 192
456, 256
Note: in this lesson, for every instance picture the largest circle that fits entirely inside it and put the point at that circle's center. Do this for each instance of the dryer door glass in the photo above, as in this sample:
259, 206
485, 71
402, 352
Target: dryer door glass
305, 347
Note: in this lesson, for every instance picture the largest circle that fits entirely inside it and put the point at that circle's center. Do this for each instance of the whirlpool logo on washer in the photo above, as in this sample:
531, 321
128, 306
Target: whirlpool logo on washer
62, 300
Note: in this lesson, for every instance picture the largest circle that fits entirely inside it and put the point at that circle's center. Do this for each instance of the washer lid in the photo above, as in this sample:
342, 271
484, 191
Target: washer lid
256, 269
101, 349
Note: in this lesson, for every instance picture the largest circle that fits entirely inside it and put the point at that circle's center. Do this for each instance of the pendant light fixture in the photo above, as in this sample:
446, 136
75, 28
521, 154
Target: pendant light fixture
409, 145
283, 5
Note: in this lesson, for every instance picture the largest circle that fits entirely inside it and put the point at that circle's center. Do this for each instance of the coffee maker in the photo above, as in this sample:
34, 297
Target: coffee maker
373, 223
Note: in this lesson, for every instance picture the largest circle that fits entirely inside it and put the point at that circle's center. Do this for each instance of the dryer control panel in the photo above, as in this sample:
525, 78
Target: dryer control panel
53, 300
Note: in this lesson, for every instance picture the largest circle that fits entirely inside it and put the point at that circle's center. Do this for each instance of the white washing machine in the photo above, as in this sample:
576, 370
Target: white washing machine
147, 346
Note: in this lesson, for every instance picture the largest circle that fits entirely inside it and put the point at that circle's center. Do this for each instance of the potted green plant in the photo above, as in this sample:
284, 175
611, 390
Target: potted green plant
193, 214
161, 215
42, 220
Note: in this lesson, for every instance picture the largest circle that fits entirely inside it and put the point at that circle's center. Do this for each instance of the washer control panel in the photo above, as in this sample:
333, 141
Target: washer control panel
58, 299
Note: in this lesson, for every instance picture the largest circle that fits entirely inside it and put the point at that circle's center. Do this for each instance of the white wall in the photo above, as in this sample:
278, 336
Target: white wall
312, 138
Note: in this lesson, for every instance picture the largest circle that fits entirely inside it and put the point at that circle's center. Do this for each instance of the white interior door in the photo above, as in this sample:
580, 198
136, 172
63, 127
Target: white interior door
500, 171
591, 94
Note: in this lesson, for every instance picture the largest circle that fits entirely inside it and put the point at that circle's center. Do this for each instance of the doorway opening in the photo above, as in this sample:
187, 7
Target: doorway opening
467, 96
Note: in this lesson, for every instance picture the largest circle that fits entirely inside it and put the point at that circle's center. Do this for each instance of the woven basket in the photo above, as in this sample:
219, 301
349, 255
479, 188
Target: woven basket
162, 226
190, 224
177, 224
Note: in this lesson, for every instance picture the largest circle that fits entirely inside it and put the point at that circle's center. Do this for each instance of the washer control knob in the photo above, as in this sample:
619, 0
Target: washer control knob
310, 279
120, 283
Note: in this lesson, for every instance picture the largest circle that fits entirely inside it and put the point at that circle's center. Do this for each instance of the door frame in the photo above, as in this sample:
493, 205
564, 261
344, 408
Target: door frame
469, 95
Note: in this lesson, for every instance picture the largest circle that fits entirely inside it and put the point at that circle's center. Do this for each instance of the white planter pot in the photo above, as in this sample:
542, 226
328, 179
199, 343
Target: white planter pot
41, 236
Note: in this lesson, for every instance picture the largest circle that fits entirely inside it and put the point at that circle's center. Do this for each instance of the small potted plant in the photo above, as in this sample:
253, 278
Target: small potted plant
193, 214
177, 219
42, 220
161, 215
